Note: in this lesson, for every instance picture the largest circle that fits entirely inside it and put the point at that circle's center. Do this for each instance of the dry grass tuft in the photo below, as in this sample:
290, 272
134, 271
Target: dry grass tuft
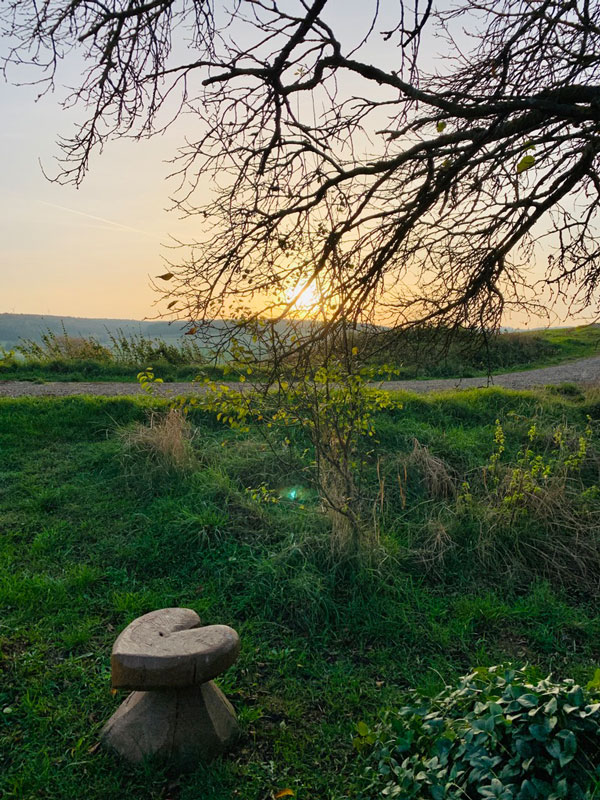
556, 536
436, 545
165, 441
436, 475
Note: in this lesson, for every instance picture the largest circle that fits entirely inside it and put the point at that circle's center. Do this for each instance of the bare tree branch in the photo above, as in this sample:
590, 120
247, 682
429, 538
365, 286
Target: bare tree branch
406, 196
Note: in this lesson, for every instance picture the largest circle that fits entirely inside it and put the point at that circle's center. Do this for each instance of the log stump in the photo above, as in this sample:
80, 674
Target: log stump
176, 712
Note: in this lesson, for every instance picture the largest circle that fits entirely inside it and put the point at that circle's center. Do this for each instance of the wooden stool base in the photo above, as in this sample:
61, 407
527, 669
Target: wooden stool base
183, 726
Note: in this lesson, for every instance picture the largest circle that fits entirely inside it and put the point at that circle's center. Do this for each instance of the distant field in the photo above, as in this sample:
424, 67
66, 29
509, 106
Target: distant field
95, 534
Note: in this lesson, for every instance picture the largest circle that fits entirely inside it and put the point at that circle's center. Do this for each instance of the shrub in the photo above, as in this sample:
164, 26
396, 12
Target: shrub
131, 349
496, 734
333, 409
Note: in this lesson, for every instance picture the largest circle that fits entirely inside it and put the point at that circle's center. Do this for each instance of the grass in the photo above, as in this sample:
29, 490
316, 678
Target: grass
574, 342
93, 536
82, 370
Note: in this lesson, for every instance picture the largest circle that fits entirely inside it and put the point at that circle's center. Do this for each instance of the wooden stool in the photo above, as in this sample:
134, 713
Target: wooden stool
176, 712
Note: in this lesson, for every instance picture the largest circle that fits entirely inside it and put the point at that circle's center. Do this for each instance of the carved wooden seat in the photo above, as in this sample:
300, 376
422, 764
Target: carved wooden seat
176, 712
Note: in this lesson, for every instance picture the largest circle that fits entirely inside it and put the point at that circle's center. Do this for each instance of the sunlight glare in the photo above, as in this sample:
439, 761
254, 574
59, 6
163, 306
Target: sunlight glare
303, 297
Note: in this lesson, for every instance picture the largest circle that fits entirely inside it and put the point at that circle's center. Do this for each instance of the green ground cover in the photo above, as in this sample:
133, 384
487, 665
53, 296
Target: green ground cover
92, 535
573, 343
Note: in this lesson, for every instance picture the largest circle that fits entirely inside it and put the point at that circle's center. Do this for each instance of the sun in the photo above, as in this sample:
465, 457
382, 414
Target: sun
303, 297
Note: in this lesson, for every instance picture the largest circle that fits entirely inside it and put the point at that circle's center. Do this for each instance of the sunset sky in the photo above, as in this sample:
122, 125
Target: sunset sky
88, 251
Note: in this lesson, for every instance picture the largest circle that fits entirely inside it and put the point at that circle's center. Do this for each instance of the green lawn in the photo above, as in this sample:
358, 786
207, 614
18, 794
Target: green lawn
91, 538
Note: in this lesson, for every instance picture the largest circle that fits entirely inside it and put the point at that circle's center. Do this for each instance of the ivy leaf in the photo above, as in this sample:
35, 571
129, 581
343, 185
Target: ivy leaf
551, 706
553, 748
527, 700
576, 697
525, 163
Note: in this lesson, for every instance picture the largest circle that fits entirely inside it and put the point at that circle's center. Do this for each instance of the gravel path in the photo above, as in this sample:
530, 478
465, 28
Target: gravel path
584, 371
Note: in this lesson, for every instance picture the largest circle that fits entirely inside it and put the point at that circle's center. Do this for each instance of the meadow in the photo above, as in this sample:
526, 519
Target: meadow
487, 515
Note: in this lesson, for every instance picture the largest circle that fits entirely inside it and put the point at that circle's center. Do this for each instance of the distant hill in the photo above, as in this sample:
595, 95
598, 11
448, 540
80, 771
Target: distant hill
31, 326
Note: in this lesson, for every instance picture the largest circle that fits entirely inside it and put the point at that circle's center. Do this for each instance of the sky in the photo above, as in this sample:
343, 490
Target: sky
91, 251
81, 252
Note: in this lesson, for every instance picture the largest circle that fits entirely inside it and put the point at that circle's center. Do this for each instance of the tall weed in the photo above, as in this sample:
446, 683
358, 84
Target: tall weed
125, 350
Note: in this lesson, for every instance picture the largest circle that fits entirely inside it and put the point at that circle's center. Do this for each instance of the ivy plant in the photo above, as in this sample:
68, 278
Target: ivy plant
498, 733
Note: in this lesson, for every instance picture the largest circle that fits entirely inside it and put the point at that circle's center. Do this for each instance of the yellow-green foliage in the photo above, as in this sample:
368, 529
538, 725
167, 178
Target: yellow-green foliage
335, 409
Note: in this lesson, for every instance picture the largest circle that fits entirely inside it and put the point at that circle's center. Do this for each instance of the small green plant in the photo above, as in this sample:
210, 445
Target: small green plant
499, 733
7, 357
334, 408
543, 469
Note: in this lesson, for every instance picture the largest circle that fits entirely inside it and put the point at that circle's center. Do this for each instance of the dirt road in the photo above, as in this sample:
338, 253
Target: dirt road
584, 371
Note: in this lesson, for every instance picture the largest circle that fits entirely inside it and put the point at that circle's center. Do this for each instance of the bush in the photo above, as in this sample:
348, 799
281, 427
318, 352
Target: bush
496, 734
439, 352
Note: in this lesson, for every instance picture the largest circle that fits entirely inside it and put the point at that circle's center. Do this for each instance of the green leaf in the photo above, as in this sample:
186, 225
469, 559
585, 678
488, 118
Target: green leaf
553, 748
527, 700
541, 730
440, 127
528, 790
485, 724
569, 741
576, 697
550, 707
362, 728
525, 163
565, 758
